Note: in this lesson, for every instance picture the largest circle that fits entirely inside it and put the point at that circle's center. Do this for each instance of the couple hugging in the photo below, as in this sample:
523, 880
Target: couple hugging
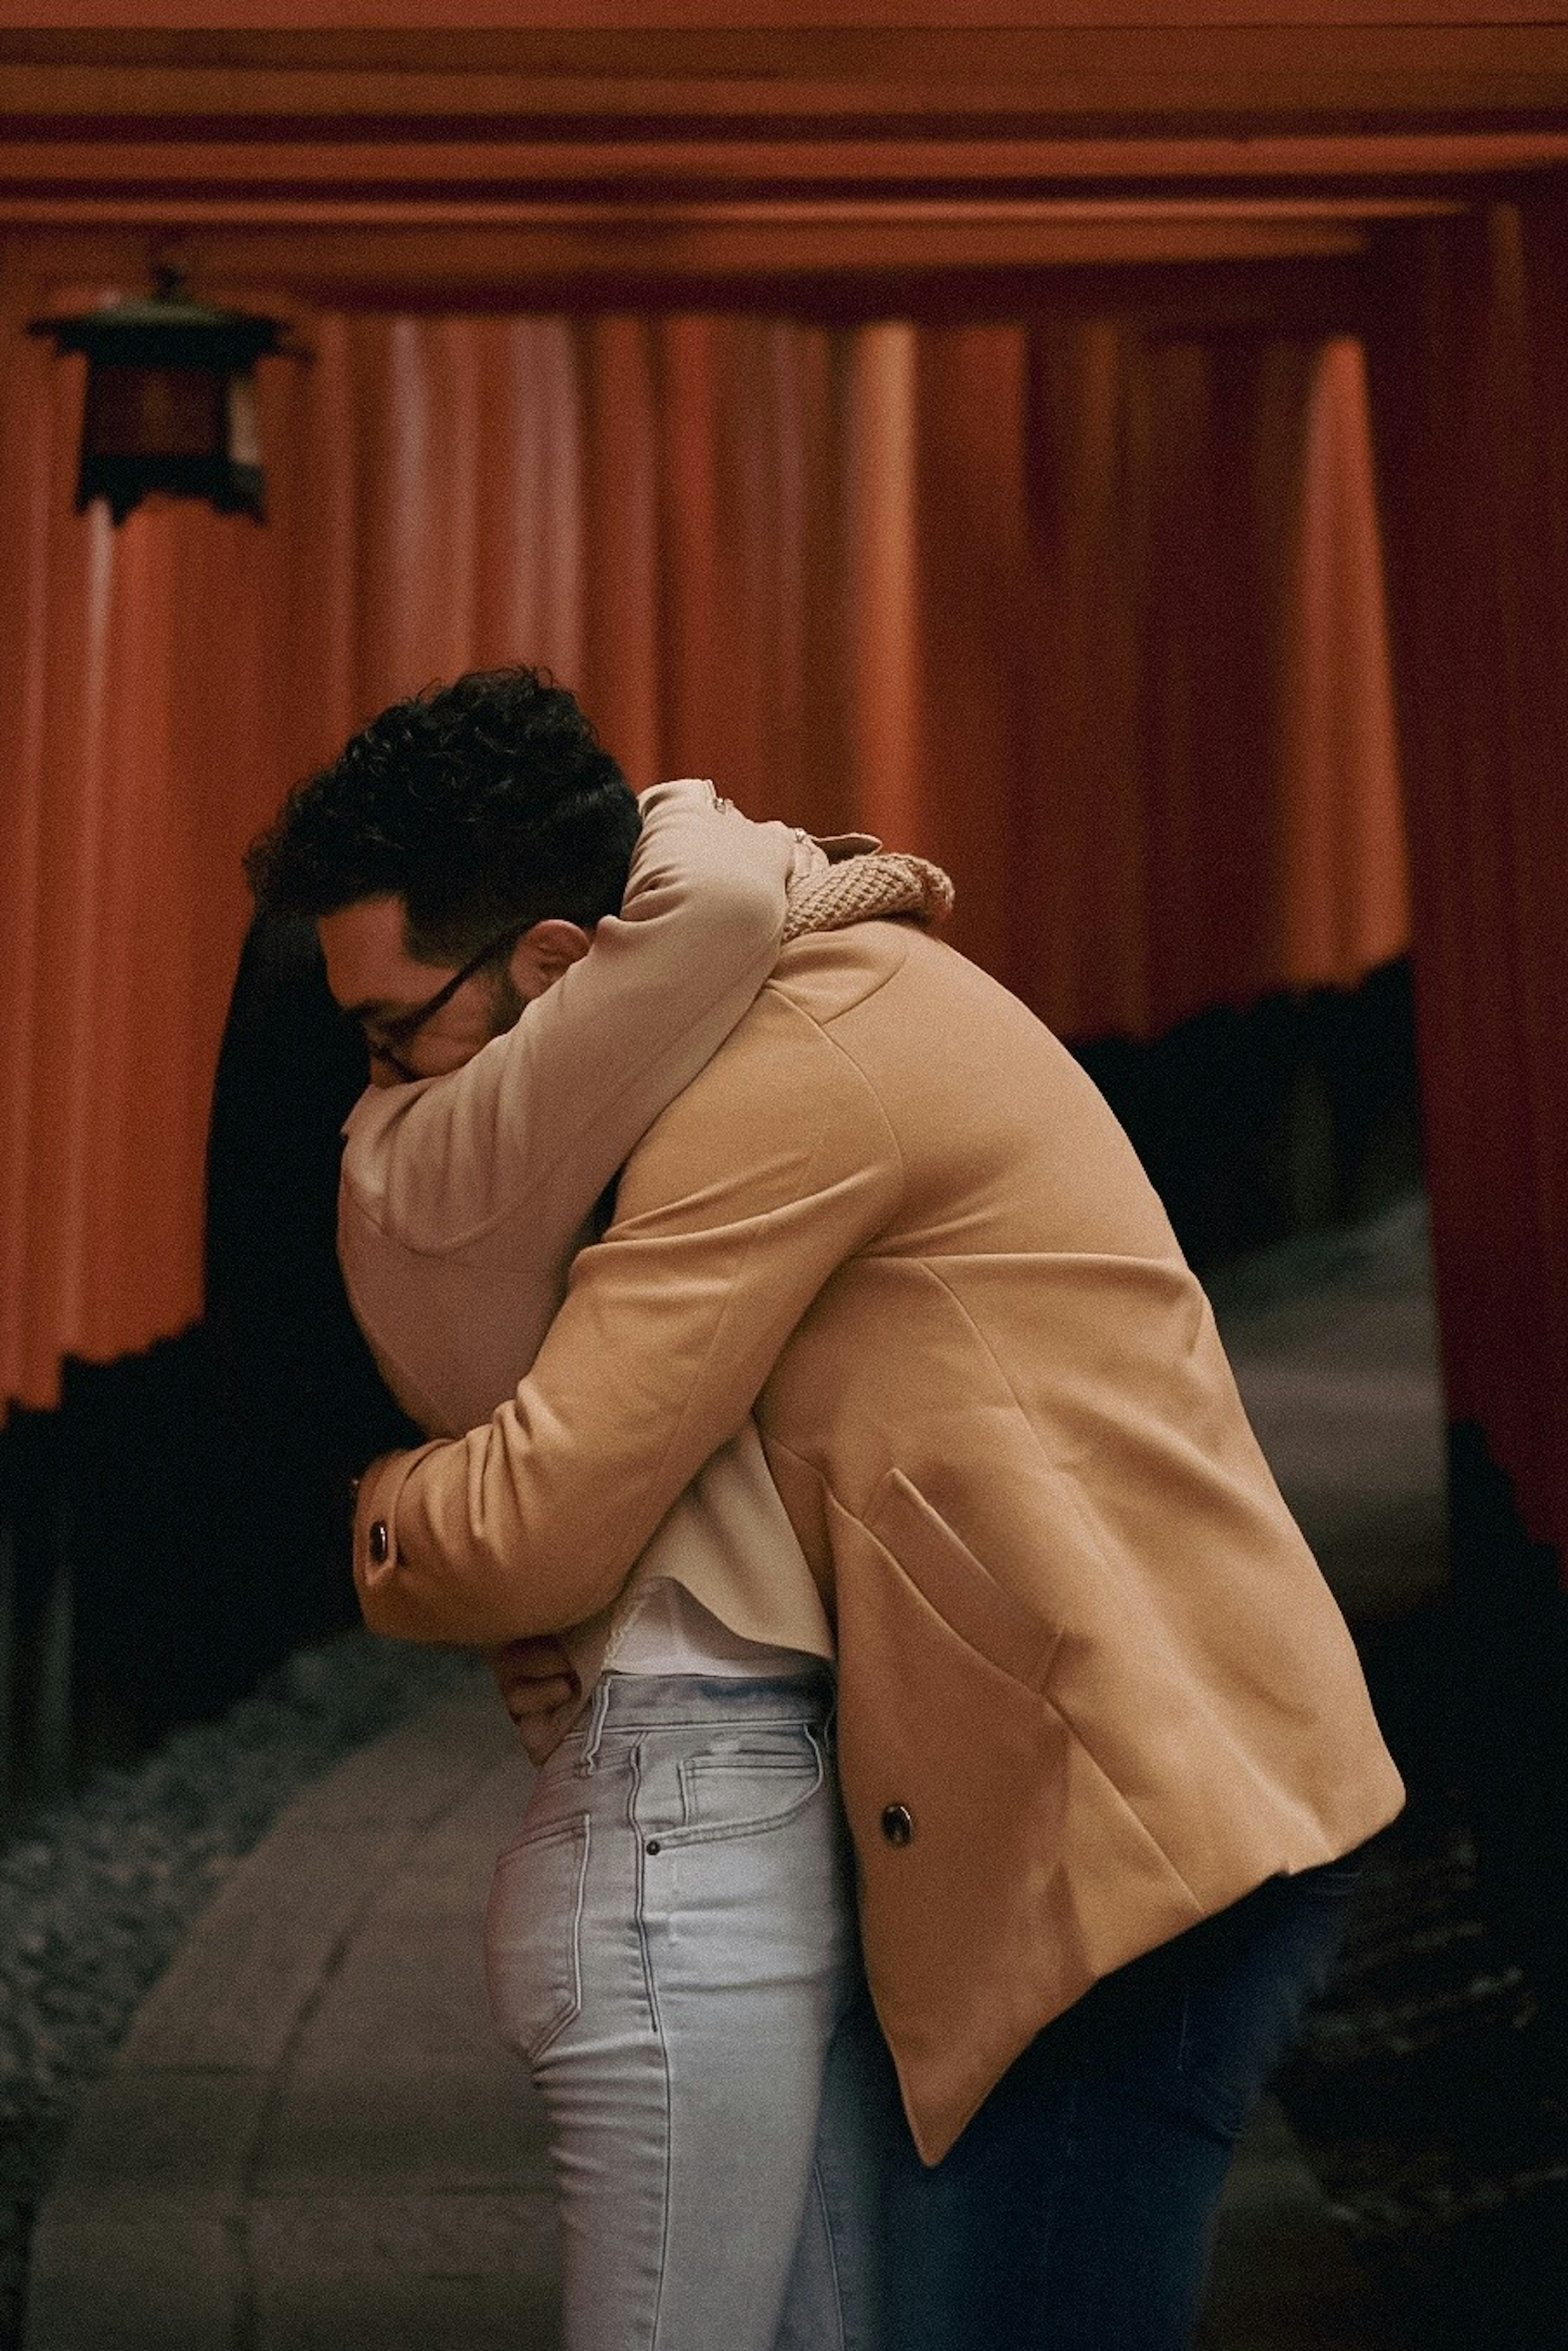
951, 1758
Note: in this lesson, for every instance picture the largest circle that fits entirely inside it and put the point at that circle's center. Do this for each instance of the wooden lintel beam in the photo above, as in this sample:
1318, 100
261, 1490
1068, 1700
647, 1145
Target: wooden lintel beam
485, 271
748, 240
1157, 74
154, 156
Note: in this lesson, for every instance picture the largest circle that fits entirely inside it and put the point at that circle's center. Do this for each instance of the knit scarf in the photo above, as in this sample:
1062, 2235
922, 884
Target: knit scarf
864, 889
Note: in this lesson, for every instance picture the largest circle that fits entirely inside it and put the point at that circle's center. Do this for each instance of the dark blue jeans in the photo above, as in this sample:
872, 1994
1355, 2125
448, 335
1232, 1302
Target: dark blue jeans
1074, 2212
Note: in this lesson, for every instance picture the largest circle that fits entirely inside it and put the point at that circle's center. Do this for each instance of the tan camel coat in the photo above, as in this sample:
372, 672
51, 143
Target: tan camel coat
1093, 1686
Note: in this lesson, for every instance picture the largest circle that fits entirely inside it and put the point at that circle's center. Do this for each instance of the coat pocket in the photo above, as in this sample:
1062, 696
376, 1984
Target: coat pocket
533, 1959
964, 1593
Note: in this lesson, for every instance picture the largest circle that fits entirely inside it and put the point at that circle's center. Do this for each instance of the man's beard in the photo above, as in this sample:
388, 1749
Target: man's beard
507, 1002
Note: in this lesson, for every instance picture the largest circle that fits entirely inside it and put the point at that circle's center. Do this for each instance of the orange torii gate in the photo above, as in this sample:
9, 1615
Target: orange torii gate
1394, 169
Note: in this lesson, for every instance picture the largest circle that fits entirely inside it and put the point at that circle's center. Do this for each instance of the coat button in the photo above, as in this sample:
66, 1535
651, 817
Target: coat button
898, 1824
380, 1542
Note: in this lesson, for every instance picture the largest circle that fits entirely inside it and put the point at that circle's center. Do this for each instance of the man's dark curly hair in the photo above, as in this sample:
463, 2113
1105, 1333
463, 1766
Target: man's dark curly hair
483, 804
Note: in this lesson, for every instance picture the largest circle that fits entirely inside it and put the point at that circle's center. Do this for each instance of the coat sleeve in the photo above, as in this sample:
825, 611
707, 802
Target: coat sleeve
766, 1175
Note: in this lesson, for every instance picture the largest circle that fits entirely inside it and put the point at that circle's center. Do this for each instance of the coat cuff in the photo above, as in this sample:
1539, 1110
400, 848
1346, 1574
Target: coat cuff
375, 1529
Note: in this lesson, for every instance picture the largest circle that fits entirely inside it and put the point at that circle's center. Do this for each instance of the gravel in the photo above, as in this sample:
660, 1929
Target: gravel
97, 1892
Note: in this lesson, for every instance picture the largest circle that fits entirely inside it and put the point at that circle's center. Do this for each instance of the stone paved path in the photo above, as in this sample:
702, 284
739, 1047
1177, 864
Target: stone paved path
310, 2141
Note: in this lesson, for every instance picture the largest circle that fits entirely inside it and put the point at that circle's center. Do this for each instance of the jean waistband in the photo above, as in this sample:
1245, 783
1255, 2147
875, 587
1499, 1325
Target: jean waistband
656, 1702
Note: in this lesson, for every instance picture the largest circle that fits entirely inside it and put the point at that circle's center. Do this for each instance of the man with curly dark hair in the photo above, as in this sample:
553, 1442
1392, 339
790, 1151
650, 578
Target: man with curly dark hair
484, 809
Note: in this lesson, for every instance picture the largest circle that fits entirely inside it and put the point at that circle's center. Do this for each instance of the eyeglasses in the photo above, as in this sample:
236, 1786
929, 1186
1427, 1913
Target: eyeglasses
390, 1034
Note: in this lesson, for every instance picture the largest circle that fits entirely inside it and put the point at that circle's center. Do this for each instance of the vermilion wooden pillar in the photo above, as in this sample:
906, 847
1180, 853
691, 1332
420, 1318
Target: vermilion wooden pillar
1470, 376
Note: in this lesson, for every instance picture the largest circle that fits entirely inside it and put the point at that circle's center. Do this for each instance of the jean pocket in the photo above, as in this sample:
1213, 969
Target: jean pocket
533, 1964
747, 1783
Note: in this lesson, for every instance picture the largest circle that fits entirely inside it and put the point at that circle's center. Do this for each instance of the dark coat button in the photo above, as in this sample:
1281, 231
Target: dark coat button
898, 1824
380, 1542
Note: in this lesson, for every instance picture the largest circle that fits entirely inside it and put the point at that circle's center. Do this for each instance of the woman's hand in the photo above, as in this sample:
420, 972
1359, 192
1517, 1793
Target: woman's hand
540, 1686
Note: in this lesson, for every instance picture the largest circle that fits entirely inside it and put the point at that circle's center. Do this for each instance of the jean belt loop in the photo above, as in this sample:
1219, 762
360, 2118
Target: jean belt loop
600, 1708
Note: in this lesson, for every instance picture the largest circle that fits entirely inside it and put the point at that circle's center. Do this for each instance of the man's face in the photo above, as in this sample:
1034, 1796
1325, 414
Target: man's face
378, 983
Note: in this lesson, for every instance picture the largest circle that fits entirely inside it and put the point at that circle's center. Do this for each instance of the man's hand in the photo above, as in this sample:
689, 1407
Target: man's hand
540, 1686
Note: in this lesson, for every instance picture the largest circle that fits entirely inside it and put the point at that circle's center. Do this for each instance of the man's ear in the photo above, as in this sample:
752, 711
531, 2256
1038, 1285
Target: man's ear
542, 954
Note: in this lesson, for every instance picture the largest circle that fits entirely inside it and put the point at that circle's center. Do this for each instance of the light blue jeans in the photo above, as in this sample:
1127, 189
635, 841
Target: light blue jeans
671, 1947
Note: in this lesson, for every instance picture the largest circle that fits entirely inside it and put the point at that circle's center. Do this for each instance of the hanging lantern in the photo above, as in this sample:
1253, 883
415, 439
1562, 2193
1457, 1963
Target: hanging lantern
171, 399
